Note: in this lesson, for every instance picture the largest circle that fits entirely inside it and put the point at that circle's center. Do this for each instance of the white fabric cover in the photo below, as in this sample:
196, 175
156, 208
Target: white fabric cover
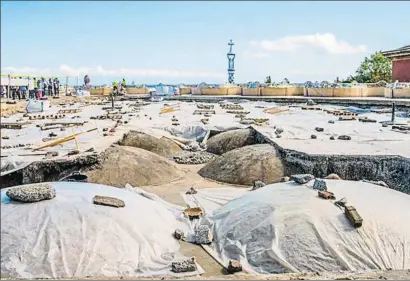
286, 227
37, 106
70, 237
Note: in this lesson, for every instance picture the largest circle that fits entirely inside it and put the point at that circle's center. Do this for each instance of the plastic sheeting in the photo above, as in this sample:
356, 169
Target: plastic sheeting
70, 237
37, 106
286, 227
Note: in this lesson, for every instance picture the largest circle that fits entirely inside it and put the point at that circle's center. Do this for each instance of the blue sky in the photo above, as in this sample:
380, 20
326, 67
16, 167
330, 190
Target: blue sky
186, 42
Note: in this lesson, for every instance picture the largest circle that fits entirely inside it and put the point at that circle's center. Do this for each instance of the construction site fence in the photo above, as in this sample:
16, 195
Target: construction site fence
381, 92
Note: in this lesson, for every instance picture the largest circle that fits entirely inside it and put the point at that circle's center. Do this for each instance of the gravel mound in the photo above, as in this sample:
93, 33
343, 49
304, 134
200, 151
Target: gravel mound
163, 146
230, 140
246, 165
32, 193
188, 157
123, 164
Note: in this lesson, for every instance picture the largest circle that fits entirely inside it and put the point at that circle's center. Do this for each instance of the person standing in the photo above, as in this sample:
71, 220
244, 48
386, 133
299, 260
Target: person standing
115, 87
23, 92
50, 87
44, 88
56, 84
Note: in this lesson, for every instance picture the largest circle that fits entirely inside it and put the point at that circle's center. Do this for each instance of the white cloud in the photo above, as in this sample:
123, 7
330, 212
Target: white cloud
325, 41
100, 71
257, 55
26, 70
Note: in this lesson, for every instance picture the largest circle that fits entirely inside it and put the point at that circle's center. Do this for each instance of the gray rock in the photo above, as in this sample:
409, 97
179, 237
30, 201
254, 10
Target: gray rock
203, 235
31, 193
313, 137
344, 137
332, 138
108, 201
310, 102
320, 184
302, 178
179, 234
331, 122
191, 191
319, 129
193, 158
279, 131
285, 179
258, 184
188, 265
234, 266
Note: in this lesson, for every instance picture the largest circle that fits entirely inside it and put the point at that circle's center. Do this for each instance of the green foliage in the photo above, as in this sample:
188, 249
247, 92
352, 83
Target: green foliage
374, 69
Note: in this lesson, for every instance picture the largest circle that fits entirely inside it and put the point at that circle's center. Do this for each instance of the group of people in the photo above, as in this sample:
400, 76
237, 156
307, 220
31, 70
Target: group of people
119, 87
43, 88
19, 92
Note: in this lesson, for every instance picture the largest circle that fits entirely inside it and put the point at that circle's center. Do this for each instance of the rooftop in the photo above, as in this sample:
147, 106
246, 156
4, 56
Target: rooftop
398, 53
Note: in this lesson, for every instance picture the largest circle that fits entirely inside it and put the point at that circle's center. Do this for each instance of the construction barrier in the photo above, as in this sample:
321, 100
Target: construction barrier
319, 92
347, 92
273, 92
220, 91
401, 93
234, 91
289, 91
251, 91
101, 91
185, 91
137, 91
373, 92
295, 91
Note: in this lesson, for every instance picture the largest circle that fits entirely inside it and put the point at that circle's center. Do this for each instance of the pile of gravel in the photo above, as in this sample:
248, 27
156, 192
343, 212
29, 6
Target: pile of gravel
194, 147
193, 158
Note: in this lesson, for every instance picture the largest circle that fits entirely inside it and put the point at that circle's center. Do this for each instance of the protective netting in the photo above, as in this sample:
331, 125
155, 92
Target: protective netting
286, 227
70, 237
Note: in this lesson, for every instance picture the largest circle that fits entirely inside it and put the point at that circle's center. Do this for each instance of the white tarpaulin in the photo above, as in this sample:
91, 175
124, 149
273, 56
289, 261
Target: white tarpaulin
37, 106
70, 237
286, 227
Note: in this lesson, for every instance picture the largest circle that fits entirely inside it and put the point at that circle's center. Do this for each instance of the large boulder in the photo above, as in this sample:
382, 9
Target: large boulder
245, 165
161, 146
230, 140
138, 167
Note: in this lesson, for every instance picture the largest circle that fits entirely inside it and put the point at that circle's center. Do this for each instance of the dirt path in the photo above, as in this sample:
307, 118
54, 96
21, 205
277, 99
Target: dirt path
171, 193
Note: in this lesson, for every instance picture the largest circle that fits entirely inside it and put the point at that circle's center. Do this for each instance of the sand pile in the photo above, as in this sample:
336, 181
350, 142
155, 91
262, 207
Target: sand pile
245, 165
230, 140
138, 167
163, 146
286, 227
71, 237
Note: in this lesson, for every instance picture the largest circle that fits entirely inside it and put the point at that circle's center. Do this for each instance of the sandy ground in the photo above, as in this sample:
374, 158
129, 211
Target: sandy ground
171, 193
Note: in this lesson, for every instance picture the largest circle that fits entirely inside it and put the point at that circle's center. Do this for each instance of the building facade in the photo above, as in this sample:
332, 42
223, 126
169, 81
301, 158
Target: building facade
401, 63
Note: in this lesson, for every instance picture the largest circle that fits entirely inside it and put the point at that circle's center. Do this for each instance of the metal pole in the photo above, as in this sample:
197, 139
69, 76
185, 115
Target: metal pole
8, 88
393, 112
66, 85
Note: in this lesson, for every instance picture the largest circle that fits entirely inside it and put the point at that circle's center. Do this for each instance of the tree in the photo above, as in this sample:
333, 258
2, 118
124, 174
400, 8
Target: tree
374, 69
